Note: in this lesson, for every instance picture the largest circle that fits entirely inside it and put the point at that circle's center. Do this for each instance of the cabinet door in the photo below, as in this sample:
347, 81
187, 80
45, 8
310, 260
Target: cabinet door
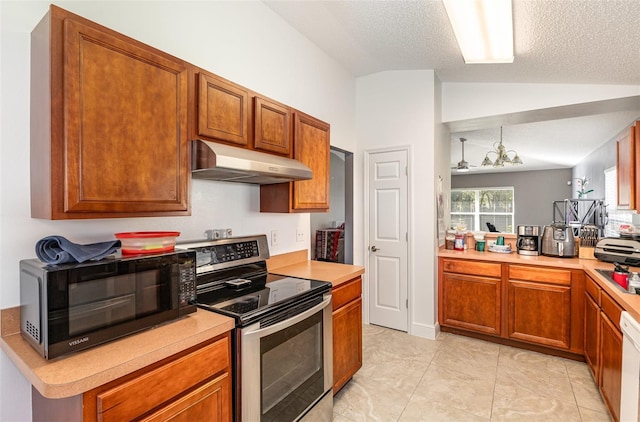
610, 365
592, 334
626, 169
540, 313
347, 342
210, 402
119, 140
223, 110
150, 390
636, 161
272, 121
312, 147
471, 302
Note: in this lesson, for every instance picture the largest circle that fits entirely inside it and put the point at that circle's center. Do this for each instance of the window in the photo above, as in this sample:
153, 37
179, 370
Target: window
474, 208
611, 201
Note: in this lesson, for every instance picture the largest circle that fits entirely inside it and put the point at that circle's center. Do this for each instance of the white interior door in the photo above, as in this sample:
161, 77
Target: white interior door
388, 239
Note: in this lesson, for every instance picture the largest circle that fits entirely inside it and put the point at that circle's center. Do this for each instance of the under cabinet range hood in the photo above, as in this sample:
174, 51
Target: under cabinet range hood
213, 161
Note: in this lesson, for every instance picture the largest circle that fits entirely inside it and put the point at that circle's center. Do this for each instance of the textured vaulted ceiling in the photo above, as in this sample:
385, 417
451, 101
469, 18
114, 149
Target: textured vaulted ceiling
556, 41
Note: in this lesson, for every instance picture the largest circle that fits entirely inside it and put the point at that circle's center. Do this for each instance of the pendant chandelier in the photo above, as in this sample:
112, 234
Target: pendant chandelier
502, 155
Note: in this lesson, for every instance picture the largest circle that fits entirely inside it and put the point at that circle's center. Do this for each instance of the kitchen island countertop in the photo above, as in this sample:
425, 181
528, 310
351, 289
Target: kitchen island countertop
630, 302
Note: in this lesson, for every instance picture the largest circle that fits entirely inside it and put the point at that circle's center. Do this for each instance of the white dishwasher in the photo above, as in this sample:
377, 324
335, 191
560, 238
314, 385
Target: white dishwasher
630, 368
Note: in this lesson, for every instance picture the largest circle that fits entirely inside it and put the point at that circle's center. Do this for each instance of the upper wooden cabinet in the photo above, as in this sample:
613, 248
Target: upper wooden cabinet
224, 114
223, 110
108, 124
272, 126
626, 150
311, 146
634, 132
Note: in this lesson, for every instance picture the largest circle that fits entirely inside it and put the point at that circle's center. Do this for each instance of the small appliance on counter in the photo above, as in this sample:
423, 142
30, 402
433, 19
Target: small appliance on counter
70, 307
558, 240
623, 250
528, 242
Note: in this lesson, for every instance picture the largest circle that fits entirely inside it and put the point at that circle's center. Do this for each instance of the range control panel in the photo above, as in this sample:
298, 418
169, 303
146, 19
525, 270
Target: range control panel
231, 252
224, 253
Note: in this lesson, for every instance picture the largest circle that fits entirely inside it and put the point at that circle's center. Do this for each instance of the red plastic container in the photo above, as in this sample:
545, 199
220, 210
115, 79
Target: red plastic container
147, 242
621, 278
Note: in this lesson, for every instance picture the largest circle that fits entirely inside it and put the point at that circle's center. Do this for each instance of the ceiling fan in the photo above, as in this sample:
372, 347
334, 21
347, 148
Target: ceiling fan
462, 166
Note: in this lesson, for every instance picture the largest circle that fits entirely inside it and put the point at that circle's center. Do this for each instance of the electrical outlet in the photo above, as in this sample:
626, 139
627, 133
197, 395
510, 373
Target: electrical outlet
275, 235
299, 235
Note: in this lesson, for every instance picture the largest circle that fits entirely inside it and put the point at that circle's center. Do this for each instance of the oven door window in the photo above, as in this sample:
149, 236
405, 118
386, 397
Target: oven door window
292, 371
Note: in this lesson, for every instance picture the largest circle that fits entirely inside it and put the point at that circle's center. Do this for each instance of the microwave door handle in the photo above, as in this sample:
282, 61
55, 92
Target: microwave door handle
261, 332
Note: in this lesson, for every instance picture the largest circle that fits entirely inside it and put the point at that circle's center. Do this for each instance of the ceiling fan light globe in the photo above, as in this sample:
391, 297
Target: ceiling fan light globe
516, 160
487, 161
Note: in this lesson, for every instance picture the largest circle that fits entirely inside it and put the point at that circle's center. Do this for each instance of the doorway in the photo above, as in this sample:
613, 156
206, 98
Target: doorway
332, 232
388, 237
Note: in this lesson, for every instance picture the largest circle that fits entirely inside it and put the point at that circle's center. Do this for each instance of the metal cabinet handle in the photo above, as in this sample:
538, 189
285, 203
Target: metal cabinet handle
373, 248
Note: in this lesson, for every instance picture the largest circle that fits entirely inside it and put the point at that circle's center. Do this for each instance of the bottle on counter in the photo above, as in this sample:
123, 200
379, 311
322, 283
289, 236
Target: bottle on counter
634, 283
449, 239
458, 244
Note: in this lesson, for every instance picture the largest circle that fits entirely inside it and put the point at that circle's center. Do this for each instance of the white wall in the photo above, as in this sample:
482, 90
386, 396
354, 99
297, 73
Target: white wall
399, 109
462, 101
242, 41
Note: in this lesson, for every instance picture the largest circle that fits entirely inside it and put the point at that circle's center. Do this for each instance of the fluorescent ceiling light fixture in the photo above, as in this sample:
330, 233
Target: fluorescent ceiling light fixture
483, 28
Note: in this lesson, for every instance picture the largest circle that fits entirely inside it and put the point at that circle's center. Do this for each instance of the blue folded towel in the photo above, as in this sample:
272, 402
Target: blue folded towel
58, 250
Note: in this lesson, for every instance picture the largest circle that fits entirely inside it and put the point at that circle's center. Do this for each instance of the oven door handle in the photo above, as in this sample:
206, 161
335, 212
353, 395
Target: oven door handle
256, 331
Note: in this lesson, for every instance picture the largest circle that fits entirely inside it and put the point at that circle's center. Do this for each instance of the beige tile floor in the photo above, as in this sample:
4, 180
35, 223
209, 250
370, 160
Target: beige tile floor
455, 378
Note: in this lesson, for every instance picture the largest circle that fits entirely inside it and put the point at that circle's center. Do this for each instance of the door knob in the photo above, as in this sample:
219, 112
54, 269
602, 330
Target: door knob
373, 248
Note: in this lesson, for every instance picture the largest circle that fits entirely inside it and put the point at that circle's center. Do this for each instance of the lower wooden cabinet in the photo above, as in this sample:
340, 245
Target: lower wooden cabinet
592, 334
206, 403
610, 370
471, 302
193, 385
539, 306
347, 332
603, 344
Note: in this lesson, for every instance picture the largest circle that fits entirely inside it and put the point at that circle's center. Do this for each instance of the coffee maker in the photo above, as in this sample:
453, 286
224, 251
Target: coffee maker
528, 242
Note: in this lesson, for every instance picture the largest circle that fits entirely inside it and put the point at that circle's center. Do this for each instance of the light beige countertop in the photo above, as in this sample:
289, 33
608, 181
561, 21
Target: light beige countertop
630, 302
79, 372
296, 264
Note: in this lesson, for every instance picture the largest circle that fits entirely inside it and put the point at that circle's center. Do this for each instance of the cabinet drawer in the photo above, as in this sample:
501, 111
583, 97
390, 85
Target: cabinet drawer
611, 309
141, 394
593, 289
487, 269
541, 274
346, 292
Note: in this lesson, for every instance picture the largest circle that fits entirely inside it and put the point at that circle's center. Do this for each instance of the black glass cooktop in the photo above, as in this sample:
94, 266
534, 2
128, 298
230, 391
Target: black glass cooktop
250, 299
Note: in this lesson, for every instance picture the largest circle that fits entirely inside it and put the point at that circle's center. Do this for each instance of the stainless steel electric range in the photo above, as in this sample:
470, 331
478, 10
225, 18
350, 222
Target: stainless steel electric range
283, 337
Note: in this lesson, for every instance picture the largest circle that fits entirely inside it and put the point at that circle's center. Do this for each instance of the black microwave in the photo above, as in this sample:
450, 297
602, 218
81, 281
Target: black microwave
71, 307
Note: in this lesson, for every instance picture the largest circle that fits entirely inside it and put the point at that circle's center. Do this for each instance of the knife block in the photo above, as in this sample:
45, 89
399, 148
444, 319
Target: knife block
586, 252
